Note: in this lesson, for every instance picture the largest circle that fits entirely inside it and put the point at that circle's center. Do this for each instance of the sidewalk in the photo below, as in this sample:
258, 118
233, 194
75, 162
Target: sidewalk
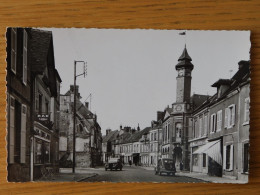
66, 175
148, 168
208, 178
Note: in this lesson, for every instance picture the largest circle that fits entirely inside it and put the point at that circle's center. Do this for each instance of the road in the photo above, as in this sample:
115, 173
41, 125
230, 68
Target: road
135, 174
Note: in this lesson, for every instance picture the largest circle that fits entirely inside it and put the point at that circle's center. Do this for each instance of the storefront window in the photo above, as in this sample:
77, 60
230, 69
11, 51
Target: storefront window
195, 159
204, 160
42, 152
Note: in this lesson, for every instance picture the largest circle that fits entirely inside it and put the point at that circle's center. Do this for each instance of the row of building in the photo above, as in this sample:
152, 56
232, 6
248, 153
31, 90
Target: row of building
33, 106
205, 134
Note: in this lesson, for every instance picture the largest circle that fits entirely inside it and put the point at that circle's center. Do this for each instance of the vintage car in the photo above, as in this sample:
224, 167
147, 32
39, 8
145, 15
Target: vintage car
114, 163
165, 165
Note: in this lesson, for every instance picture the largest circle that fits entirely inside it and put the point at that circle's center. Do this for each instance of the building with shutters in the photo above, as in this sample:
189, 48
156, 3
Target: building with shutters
177, 120
224, 149
18, 104
33, 86
45, 91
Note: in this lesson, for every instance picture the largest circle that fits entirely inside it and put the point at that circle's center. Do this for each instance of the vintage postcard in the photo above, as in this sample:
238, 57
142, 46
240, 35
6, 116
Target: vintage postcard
117, 105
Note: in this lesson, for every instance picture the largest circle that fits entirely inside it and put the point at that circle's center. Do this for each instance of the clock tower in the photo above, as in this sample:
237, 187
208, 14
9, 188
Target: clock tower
184, 69
183, 88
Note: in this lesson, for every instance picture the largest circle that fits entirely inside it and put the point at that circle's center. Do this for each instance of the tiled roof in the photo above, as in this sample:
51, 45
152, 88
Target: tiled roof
39, 45
110, 137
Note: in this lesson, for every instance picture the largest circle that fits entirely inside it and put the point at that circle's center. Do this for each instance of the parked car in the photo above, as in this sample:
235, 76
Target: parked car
165, 165
114, 163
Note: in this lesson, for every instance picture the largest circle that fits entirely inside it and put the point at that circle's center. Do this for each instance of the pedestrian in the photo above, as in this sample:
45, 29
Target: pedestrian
130, 162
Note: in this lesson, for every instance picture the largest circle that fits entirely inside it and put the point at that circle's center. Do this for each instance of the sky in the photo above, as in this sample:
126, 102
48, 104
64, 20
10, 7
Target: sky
131, 73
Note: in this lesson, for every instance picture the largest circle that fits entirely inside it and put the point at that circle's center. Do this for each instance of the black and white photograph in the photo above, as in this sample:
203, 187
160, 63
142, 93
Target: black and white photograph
127, 105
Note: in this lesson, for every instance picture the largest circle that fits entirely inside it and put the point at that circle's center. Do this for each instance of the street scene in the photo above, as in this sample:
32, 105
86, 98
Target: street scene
107, 105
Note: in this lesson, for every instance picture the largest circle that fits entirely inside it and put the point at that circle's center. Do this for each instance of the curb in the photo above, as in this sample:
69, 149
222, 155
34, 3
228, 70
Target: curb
80, 180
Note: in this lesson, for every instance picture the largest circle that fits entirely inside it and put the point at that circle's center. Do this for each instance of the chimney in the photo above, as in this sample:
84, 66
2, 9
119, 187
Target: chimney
242, 64
86, 104
159, 115
77, 90
108, 131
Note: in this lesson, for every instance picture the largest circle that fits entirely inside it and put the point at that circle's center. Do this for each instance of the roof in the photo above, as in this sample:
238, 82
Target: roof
185, 55
222, 82
110, 136
42, 56
240, 77
198, 99
39, 47
184, 60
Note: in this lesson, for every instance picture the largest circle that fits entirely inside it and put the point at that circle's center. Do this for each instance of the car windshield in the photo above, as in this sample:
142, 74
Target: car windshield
113, 160
168, 161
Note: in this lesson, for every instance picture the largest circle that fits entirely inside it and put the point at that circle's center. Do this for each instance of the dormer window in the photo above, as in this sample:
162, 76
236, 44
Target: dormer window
222, 86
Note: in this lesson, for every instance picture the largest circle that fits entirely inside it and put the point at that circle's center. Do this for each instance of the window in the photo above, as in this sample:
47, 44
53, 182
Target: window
219, 120
25, 37
195, 159
23, 134
155, 136
230, 113
213, 123
205, 124
13, 49
40, 103
247, 110
246, 158
204, 162
228, 157
168, 132
46, 106
17, 132
11, 130
200, 127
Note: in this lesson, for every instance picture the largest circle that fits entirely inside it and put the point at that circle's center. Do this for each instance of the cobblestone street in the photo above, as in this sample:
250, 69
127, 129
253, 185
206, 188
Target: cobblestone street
134, 174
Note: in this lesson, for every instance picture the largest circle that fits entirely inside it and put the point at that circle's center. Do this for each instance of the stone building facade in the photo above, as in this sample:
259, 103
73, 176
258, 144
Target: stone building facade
88, 133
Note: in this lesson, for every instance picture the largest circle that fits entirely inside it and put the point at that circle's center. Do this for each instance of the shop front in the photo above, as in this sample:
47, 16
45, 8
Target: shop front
211, 155
199, 161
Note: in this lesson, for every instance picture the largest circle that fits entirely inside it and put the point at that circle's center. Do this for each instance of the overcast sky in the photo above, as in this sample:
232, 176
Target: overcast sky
131, 73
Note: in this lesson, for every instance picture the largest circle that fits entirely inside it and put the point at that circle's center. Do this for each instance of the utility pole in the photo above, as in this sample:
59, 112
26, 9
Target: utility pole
74, 110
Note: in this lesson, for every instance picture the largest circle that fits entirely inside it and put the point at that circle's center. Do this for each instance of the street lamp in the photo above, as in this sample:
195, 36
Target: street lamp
74, 109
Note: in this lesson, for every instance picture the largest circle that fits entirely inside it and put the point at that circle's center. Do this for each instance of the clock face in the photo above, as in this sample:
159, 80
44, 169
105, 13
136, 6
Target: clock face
178, 108
180, 73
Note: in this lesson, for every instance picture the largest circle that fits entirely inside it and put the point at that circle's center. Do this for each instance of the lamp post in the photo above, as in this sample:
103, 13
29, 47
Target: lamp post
74, 110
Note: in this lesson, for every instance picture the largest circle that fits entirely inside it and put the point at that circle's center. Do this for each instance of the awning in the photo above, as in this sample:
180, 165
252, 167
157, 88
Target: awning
212, 149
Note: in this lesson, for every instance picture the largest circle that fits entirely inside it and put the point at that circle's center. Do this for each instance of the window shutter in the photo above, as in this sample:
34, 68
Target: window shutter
231, 157
13, 49
11, 130
25, 37
233, 114
224, 157
226, 117
23, 135
211, 123
219, 120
